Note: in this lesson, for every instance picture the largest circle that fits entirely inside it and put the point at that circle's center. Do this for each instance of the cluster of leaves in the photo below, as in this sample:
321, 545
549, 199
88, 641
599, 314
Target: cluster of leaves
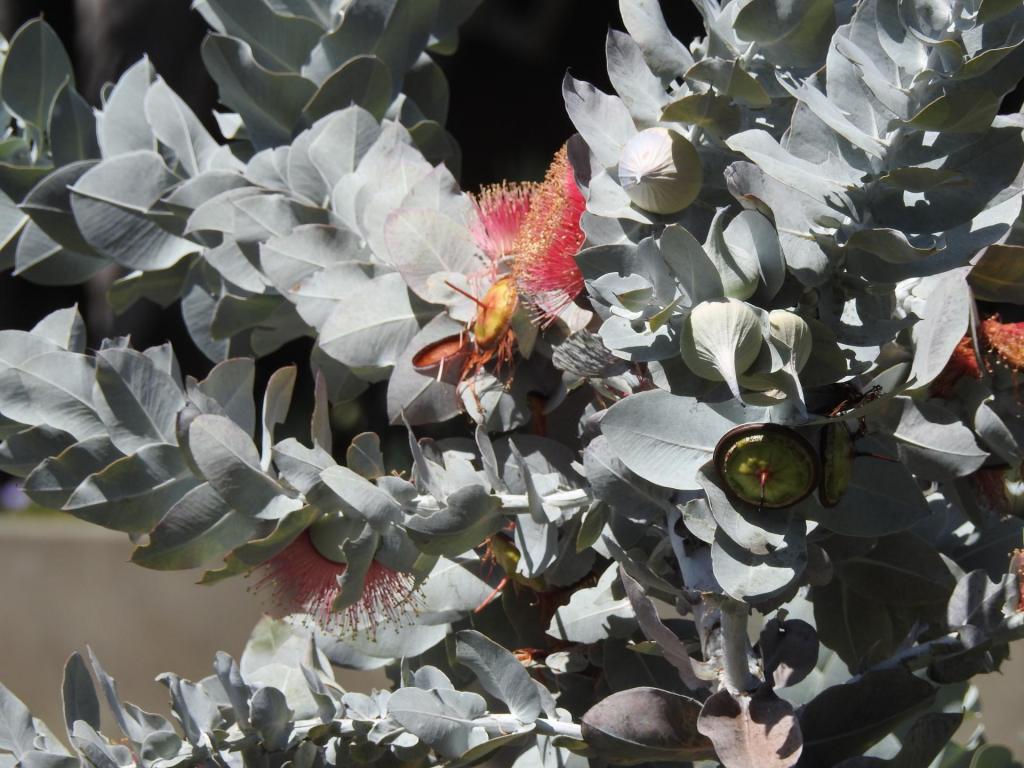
844, 196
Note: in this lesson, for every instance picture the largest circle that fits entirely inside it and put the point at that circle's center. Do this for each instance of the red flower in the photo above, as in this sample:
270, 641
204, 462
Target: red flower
545, 265
1005, 341
302, 580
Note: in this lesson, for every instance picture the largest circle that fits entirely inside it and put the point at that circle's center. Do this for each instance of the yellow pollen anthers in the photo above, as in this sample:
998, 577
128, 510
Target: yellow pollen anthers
494, 313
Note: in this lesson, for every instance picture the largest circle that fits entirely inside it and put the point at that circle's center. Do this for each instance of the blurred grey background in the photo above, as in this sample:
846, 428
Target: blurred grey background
63, 583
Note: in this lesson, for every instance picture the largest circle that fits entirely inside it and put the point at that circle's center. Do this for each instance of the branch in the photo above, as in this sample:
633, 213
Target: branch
736, 646
922, 655
494, 724
516, 502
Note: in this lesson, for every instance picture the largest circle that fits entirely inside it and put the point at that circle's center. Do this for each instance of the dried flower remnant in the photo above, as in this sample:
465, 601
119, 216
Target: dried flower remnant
302, 580
545, 251
963, 362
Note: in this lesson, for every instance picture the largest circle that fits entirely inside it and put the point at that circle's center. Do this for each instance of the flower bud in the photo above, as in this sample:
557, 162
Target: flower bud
721, 339
794, 333
660, 171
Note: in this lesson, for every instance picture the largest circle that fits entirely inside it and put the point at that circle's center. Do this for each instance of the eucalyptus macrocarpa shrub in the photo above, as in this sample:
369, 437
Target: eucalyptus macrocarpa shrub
750, 351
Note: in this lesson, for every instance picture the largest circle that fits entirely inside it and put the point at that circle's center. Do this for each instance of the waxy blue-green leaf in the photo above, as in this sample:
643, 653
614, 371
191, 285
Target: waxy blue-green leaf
845, 720
134, 492
269, 102
373, 324
998, 275
758, 530
276, 401
281, 41
122, 126
500, 674
197, 530
230, 383
665, 55
730, 79
640, 90
364, 81
52, 482
64, 327
78, 694
17, 733
470, 515
113, 205
72, 127
230, 462
344, 140
271, 717
54, 388
690, 264
138, 402
420, 396
923, 577
427, 248
602, 120
36, 68
934, 443
176, 126
760, 579
23, 451
665, 438
442, 718
946, 317
882, 498
40, 259
361, 499
594, 613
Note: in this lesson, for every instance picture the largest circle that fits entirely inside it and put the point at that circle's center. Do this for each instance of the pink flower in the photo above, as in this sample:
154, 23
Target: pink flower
550, 237
302, 580
501, 210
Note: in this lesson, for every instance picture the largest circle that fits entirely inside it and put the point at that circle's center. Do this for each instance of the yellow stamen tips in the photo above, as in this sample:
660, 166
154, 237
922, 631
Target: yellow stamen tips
495, 313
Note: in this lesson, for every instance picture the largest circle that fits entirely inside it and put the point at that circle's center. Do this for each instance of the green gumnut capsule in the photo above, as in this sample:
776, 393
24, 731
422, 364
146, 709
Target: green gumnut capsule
767, 465
836, 463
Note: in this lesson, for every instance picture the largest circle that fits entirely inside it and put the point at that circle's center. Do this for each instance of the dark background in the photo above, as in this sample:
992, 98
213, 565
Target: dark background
506, 104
